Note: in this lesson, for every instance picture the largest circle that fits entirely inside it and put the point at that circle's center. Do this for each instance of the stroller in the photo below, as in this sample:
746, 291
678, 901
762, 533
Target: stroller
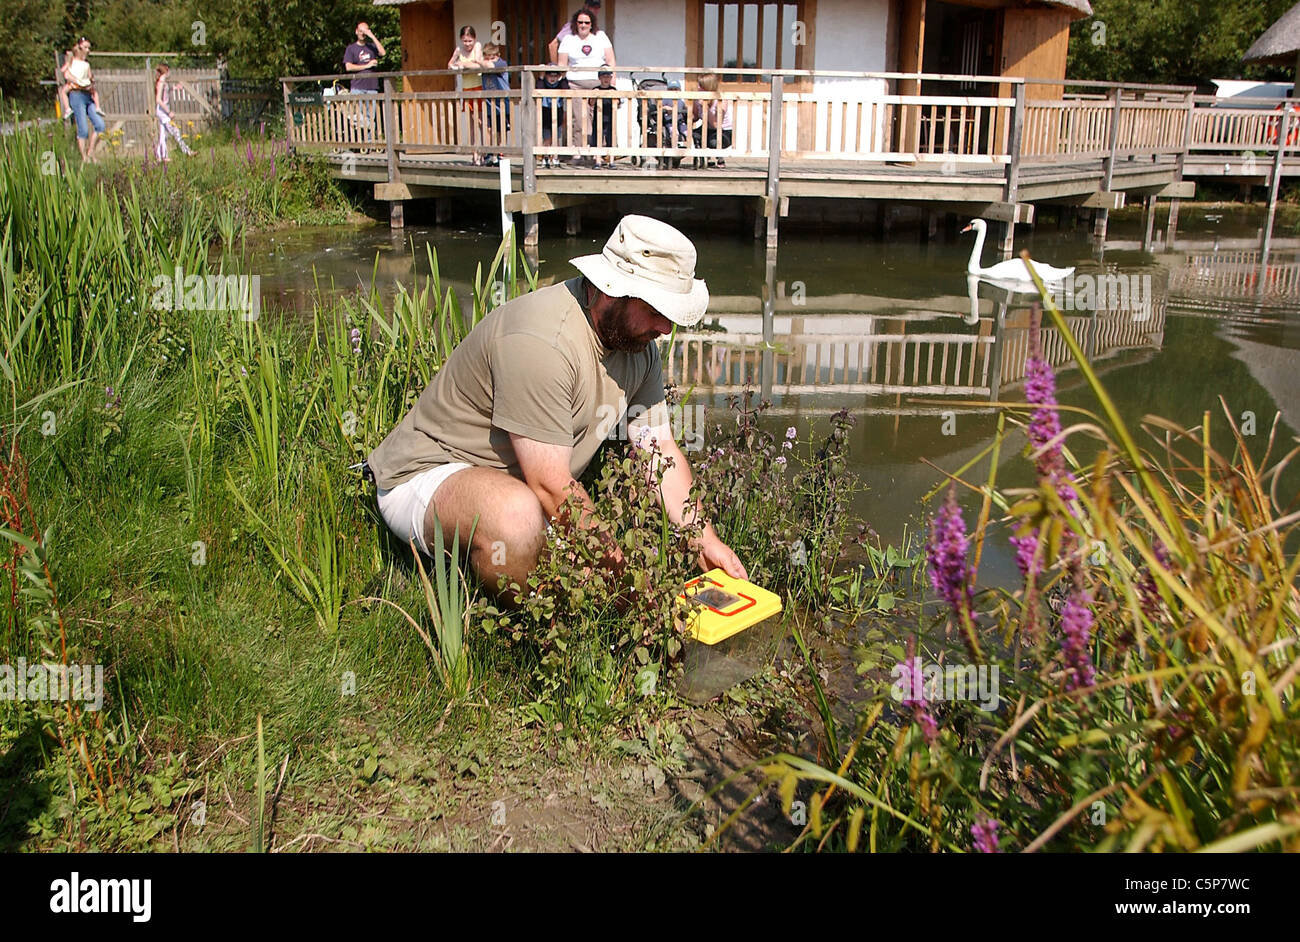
662, 119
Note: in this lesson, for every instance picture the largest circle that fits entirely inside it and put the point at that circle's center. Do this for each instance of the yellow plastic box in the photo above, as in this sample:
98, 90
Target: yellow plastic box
723, 606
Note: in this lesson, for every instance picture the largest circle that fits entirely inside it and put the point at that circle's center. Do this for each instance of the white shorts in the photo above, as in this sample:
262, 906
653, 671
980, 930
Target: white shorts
403, 507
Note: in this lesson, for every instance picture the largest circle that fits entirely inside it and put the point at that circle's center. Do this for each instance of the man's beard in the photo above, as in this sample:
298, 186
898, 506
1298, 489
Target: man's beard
613, 332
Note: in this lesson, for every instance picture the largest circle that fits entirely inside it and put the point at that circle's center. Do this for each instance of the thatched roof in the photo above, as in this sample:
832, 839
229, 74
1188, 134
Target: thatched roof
1280, 41
1081, 7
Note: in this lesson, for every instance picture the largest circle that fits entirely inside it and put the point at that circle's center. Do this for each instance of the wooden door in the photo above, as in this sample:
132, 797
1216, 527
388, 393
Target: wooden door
428, 36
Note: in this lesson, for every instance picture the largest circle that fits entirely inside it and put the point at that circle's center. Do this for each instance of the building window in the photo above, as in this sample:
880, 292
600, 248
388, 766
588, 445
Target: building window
752, 36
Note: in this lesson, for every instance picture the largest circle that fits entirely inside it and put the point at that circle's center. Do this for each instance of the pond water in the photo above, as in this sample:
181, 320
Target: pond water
891, 329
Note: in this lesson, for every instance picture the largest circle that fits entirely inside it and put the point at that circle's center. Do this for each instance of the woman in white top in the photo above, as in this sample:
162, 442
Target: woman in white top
81, 99
583, 52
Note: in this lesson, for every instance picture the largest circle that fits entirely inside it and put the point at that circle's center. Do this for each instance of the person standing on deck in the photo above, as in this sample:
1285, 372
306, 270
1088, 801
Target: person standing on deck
362, 59
584, 50
468, 54
496, 442
553, 50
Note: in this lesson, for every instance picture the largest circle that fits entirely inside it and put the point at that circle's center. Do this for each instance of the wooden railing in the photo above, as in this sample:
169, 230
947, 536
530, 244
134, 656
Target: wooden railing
1234, 125
865, 121
817, 124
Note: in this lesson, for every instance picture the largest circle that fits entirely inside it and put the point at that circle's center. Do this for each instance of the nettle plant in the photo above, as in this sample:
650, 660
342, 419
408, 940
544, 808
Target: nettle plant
786, 516
602, 638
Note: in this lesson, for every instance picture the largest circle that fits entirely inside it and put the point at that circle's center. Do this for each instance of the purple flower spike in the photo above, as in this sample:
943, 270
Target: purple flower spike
790, 433
915, 700
1076, 640
946, 554
1027, 554
984, 835
1045, 426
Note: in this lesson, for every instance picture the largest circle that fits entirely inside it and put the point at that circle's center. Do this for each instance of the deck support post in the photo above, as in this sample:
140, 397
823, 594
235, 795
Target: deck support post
1148, 221
1014, 145
288, 120
528, 124
774, 139
1275, 181
396, 215
573, 221
1171, 227
1108, 167
441, 210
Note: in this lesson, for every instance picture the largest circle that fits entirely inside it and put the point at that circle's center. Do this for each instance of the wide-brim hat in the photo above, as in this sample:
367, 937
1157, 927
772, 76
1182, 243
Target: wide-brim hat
649, 259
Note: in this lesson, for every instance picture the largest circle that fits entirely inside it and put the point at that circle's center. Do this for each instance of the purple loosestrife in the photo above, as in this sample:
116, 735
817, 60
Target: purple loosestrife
1076, 640
1026, 548
916, 702
984, 835
950, 573
1148, 594
1045, 426
946, 554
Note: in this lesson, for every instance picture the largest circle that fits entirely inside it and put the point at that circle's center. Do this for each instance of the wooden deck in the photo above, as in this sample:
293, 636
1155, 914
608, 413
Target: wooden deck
1094, 145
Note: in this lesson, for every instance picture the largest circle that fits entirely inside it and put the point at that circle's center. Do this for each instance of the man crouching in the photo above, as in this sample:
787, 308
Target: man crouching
521, 406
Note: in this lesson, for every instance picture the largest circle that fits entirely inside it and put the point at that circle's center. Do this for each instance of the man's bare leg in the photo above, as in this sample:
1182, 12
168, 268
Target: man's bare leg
511, 528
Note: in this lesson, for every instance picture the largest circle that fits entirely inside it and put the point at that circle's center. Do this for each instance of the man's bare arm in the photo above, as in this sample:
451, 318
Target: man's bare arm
546, 472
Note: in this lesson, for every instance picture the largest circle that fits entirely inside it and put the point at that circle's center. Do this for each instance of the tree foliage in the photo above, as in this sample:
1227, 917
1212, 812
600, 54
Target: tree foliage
1183, 42
256, 38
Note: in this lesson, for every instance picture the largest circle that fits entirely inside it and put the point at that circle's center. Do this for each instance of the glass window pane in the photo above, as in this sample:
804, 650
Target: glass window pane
751, 36
710, 58
729, 34
771, 28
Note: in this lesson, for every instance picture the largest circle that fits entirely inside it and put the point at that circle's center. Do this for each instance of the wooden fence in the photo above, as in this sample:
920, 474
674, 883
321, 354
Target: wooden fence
126, 98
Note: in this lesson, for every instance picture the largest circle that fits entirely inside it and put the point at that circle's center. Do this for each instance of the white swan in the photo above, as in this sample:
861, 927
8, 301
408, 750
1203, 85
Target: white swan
1011, 273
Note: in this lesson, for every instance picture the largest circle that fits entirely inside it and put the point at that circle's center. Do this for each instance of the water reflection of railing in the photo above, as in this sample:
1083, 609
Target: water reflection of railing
803, 364
900, 354
1236, 274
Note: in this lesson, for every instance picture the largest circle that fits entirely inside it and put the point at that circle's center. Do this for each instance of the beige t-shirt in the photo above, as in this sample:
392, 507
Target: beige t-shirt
534, 367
